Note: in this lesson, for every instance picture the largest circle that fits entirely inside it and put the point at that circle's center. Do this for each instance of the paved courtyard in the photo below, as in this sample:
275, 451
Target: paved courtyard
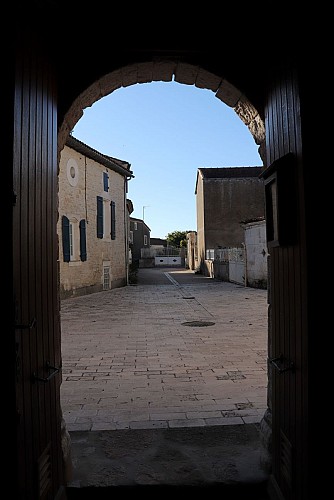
175, 350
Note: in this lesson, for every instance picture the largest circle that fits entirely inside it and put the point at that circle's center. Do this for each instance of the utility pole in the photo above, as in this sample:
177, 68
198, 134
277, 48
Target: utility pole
144, 206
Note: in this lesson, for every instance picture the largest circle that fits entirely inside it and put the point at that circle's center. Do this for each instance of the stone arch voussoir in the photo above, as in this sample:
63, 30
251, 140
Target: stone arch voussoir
165, 71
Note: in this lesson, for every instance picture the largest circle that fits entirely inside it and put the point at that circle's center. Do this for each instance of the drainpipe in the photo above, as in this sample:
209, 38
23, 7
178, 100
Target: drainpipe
126, 229
245, 254
126, 226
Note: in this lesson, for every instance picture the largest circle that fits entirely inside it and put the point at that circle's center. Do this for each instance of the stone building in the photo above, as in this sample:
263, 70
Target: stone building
225, 197
139, 239
93, 223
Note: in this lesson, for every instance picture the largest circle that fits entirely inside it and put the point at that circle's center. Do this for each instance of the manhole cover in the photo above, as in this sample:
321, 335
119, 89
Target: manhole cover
198, 323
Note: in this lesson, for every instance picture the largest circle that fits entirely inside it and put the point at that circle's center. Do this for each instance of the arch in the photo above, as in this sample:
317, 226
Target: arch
166, 71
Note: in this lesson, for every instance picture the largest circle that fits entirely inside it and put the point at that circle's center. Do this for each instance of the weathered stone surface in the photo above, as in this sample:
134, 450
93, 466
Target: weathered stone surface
62, 136
164, 71
110, 82
245, 110
145, 72
257, 129
228, 94
130, 75
249, 115
186, 73
207, 80
193, 457
66, 451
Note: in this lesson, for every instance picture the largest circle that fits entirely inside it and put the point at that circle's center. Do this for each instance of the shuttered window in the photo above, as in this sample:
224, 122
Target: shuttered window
65, 223
99, 217
105, 181
83, 246
113, 220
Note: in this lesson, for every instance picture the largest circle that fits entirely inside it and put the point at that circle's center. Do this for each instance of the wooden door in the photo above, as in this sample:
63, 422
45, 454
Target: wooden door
287, 298
35, 278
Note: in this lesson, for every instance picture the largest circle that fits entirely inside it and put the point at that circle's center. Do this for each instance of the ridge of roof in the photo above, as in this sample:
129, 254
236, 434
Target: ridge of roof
120, 166
135, 219
230, 172
261, 218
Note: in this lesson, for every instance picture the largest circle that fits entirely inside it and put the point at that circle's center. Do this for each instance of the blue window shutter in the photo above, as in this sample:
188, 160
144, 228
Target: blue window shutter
105, 181
83, 247
113, 220
99, 217
65, 225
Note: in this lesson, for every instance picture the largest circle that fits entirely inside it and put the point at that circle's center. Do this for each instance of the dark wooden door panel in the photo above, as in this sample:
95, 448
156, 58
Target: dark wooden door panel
35, 278
288, 305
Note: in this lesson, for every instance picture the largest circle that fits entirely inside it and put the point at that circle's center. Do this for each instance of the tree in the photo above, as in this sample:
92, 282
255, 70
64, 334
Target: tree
177, 238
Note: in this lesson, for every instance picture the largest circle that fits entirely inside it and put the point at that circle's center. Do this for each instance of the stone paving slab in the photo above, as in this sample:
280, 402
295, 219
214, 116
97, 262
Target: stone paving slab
133, 360
160, 459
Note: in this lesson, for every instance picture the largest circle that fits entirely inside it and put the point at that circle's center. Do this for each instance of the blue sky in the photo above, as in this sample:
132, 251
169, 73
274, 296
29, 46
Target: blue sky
166, 131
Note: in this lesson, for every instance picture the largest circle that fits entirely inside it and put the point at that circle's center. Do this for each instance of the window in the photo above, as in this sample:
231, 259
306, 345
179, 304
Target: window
68, 239
83, 246
99, 217
65, 227
131, 237
74, 239
113, 220
210, 254
135, 226
105, 182
71, 240
145, 239
72, 172
106, 219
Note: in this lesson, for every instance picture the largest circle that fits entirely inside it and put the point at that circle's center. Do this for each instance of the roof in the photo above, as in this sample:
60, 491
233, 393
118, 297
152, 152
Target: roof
228, 173
253, 219
120, 166
158, 241
134, 219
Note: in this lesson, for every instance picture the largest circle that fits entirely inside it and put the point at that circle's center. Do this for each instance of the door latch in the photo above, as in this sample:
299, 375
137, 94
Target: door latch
31, 325
278, 363
53, 369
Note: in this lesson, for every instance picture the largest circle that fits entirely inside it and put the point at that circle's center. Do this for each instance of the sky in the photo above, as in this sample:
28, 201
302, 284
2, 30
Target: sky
166, 131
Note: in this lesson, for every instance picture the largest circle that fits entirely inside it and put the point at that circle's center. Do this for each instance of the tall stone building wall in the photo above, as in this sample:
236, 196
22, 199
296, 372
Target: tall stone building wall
80, 182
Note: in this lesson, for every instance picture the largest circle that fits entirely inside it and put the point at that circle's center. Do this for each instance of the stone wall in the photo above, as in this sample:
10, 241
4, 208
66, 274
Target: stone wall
80, 182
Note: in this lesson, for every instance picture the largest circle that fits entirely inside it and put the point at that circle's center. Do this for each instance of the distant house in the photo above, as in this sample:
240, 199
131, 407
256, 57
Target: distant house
139, 238
93, 220
158, 243
224, 198
130, 209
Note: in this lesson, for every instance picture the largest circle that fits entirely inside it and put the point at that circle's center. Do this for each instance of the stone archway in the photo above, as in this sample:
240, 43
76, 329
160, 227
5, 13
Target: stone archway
166, 71
186, 74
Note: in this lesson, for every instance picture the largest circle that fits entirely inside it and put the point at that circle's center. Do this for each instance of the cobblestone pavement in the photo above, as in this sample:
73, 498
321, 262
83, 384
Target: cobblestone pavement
175, 350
